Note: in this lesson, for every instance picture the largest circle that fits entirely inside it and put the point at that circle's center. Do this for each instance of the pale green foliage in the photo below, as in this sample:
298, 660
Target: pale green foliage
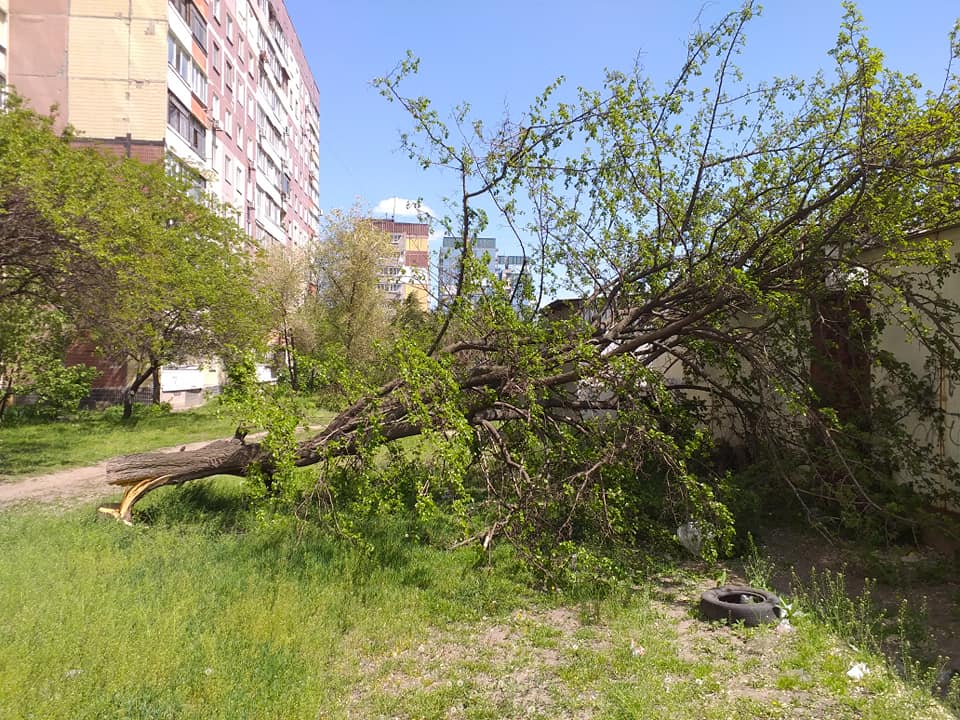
283, 285
257, 406
350, 312
705, 221
178, 275
125, 252
716, 232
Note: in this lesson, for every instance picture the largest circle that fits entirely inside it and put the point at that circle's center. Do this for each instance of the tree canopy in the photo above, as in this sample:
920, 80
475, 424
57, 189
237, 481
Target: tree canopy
118, 251
705, 221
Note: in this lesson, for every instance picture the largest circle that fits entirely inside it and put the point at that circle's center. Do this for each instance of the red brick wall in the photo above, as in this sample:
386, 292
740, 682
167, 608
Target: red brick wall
111, 375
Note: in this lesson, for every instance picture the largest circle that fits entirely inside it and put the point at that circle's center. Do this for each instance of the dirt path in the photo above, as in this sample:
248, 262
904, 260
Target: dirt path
83, 483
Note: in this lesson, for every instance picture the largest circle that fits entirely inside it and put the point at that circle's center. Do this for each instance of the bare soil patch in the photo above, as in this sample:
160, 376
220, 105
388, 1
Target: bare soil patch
923, 577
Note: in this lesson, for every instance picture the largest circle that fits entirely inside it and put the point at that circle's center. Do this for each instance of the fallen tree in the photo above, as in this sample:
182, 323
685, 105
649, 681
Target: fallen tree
712, 237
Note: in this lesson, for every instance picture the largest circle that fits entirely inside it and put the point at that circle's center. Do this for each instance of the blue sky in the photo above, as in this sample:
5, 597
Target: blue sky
499, 54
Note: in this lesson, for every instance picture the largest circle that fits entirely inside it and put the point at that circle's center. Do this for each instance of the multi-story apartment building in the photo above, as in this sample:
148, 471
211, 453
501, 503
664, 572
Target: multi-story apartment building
448, 264
506, 268
219, 89
406, 272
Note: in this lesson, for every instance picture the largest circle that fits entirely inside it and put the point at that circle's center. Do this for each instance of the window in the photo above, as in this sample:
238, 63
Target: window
181, 7
216, 10
184, 124
227, 174
229, 29
268, 167
198, 82
267, 206
216, 57
228, 122
198, 27
179, 169
228, 75
240, 132
178, 58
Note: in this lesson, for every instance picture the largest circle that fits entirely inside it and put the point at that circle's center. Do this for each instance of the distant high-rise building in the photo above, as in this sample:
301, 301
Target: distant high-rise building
509, 269
506, 268
448, 264
406, 272
219, 90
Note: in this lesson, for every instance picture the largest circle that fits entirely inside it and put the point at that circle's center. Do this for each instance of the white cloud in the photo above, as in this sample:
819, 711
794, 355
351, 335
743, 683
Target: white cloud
401, 207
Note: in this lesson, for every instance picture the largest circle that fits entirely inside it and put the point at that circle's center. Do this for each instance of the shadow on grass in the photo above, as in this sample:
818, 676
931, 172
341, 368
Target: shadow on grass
382, 553
220, 504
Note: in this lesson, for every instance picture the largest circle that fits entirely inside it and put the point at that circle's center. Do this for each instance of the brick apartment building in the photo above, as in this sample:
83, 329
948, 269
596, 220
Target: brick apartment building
217, 89
221, 89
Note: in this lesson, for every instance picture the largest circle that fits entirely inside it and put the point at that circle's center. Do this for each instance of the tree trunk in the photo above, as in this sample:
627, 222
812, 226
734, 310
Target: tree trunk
155, 397
130, 392
5, 399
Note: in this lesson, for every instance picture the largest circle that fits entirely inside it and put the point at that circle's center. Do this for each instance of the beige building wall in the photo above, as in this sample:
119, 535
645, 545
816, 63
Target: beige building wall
117, 75
895, 339
946, 394
101, 63
37, 55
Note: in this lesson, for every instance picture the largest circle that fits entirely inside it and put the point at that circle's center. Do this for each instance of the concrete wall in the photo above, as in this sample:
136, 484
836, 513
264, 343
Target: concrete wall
38, 53
117, 76
4, 40
101, 62
945, 393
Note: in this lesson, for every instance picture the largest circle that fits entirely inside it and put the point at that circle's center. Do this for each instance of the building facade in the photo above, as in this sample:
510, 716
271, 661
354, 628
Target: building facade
406, 273
507, 269
218, 89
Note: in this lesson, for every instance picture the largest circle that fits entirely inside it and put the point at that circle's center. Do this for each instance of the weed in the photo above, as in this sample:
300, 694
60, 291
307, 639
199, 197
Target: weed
236, 615
758, 567
856, 620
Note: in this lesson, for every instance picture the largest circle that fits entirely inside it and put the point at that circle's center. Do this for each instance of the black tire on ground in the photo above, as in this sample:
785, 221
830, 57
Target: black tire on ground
735, 603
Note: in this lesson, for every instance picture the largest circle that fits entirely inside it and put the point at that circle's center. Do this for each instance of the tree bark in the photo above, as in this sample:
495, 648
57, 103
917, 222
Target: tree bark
5, 398
130, 392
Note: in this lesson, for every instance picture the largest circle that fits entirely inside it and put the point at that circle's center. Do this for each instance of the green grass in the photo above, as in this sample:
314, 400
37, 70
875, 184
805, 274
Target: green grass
36, 448
209, 609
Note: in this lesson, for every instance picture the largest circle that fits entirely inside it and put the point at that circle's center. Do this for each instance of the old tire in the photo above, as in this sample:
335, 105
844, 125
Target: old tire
735, 603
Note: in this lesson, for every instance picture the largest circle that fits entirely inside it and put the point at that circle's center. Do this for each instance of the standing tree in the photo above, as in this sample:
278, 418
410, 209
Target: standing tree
283, 284
705, 219
177, 278
352, 311
51, 194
